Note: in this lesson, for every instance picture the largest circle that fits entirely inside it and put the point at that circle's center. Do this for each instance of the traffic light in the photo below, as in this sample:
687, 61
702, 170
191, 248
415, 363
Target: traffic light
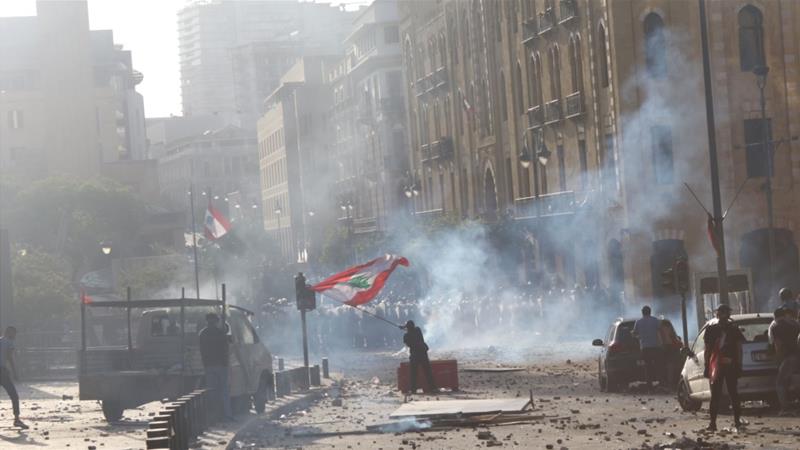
306, 298
681, 269
668, 280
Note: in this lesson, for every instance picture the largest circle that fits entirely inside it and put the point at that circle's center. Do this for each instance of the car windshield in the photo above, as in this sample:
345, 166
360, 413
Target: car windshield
755, 330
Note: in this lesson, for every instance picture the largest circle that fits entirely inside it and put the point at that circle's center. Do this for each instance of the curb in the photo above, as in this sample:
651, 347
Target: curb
280, 406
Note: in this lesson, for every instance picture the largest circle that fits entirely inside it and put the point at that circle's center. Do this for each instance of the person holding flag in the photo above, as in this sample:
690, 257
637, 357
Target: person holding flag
418, 357
723, 363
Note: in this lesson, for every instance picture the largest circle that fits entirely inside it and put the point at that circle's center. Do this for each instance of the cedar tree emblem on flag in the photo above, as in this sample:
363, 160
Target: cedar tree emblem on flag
215, 224
360, 284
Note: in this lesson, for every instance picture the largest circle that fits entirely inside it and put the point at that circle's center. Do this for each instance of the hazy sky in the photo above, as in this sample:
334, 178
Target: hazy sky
148, 28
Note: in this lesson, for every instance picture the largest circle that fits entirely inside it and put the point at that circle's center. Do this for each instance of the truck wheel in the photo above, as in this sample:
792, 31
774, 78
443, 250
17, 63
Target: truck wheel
112, 410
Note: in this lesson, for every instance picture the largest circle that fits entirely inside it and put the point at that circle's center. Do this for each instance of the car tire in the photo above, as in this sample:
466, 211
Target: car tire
260, 397
612, 383
601, 380
112, 410
685, 400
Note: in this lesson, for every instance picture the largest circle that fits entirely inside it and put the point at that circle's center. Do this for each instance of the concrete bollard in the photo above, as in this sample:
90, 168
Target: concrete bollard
280, 365
283, 384
325, 373
314, 376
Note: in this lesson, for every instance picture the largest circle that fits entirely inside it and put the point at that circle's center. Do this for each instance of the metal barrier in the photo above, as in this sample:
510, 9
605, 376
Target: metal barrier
179, 423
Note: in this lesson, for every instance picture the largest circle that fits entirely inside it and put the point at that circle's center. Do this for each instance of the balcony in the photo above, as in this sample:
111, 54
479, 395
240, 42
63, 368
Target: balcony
535, 117
574, 105
529, 31
545, 205
365, 225
431, 82
439, 149
568, 10
547, 21
552, 111
430, 214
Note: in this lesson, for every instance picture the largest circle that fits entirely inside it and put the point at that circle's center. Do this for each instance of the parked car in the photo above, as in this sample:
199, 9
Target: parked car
759, 367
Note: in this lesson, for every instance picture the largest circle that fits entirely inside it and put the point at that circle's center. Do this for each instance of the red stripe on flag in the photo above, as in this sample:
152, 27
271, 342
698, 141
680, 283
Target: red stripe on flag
364, 296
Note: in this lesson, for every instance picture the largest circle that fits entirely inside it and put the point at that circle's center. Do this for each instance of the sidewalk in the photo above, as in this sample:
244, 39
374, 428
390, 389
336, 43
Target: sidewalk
224, 435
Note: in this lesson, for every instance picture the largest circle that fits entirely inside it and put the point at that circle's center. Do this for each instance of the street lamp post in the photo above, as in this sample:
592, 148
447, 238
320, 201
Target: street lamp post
411, 191
347, 207
761, 81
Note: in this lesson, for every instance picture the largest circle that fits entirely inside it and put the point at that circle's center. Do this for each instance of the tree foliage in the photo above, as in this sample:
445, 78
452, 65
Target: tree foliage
42, 290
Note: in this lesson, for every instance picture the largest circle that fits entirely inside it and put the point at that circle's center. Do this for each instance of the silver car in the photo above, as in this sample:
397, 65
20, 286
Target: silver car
759, 367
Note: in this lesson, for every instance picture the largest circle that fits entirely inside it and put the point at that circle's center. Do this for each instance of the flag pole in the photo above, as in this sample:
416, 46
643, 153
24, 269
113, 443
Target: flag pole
194, 241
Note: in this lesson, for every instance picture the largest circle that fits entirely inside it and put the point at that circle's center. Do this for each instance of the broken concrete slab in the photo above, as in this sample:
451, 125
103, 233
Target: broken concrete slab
460, 407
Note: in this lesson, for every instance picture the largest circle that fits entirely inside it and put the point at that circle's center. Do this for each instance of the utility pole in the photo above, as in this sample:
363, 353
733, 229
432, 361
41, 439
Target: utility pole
722, 269
761, 81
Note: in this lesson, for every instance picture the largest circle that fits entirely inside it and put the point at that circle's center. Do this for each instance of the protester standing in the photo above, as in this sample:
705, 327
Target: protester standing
418, 351
783, 335
646, 330
723, 363
214, 343
7, 368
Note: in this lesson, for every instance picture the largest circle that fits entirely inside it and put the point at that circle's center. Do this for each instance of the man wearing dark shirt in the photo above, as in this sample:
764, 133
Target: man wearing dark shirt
783, 332
214, 352
418, 351
723, 363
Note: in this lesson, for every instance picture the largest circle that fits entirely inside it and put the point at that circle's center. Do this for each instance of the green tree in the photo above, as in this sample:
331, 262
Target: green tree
43, 292
70, 217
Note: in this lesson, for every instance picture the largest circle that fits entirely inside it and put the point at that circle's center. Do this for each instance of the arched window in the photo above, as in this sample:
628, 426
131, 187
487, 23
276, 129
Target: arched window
420, 60
655, 46
751, 38
442, 50
503, 100
447, 116
437, 129
518, 87
555, 73
460, 109
575, 63
602, 55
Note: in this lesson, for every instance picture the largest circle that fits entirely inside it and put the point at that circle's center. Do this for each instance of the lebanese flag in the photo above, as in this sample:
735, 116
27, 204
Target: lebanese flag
360, 284
85, 298
216, 225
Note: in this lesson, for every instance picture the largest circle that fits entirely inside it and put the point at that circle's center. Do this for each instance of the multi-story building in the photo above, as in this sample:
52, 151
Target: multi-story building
369, 120
163, 131
67, 95
294, 161
583, 119
216, 162
214, 36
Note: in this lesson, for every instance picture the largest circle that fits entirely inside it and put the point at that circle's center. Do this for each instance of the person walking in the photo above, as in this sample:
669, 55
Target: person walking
7, 368
783, 334
647, 331
418, 351
723, 363
214, 352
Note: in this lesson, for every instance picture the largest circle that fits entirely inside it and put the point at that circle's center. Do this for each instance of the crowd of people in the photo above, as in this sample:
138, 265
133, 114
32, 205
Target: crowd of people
444, 318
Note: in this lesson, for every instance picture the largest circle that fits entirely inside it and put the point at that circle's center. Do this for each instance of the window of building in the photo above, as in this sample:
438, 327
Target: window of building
751, 38
464, 191
584, 164
442, 201
602, 55
555, 73
442, 50
575, 64
663, 165
460, 115
755, 132
609, 164
655, 46
391, 34
503, 100
15, 118
524, 182
518, 91
562, 168
509, 182
447, 116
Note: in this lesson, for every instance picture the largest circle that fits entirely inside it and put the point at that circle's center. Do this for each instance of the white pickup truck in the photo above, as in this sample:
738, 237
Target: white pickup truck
161, 358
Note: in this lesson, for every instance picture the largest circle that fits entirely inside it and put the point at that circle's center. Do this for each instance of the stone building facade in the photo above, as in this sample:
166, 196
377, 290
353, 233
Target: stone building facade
582, 121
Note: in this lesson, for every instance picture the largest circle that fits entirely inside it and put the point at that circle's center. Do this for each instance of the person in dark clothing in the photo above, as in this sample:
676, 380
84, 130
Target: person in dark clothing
418, 350
783, 333
723, 363
7, 368
214, 352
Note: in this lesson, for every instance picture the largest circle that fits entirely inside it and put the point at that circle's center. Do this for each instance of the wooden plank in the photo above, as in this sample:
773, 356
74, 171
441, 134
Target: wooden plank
460, 407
